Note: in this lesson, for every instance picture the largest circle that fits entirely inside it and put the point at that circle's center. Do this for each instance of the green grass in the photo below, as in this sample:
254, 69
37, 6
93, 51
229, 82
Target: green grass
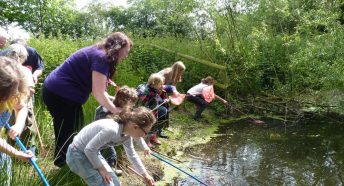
183, 132
182, 127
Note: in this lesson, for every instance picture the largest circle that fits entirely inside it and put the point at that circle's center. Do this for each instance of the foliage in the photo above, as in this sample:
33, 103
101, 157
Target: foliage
282, 48
55, 50
51, 17
288, 49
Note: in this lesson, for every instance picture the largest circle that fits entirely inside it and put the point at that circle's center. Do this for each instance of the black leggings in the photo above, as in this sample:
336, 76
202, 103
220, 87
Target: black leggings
67, 118
199, 102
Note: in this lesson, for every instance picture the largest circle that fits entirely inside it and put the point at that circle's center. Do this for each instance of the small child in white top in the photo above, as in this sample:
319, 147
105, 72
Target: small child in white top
202, 94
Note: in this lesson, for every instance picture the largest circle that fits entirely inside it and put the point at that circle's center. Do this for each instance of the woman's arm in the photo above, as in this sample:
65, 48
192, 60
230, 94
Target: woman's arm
100, 94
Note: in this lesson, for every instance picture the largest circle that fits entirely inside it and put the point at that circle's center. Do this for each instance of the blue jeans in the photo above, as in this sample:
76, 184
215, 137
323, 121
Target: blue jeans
79, 164
5, 169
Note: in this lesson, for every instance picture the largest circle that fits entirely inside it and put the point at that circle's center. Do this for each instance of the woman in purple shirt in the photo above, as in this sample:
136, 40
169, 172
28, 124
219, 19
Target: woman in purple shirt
68, 87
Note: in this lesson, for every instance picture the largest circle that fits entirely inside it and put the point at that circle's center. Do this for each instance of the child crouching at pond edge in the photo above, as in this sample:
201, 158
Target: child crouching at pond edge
202, 94
154, 96
125, 98
83, 155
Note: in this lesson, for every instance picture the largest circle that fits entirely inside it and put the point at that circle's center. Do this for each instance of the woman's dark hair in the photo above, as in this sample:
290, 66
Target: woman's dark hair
112, 45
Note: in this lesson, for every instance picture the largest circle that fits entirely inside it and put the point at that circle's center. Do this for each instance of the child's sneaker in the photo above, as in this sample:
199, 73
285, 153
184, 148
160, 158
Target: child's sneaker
162, 134
118, 172
150, 145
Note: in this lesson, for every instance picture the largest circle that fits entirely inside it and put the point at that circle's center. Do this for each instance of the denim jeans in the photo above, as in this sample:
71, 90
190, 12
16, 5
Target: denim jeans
5, 169
79, 164
162, 119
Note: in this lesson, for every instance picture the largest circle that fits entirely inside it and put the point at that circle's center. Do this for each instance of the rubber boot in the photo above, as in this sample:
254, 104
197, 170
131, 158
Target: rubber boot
154, 139
149, 144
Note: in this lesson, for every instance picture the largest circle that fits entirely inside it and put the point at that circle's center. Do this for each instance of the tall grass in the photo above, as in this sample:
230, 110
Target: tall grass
54, 51
142, 61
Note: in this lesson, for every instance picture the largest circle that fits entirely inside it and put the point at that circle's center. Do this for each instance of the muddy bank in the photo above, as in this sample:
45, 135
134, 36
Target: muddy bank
183, 132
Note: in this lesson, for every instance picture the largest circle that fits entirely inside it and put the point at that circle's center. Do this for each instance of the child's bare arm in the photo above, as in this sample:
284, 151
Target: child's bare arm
8, 149
105, 174
142, 143
36, 74
221, 99
18, 127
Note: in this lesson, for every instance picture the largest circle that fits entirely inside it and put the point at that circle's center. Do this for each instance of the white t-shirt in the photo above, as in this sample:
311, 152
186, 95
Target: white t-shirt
197, 89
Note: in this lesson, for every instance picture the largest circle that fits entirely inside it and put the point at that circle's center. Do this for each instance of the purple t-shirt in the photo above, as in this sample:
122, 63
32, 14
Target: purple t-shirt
73, 78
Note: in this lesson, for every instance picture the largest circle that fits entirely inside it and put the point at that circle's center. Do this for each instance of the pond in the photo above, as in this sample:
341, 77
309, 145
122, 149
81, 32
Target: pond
243, 153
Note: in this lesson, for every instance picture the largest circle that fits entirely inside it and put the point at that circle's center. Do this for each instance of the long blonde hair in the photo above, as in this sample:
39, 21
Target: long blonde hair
174, 73
13, 87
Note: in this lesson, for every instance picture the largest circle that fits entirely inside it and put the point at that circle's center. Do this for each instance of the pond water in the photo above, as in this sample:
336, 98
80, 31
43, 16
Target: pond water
242, 153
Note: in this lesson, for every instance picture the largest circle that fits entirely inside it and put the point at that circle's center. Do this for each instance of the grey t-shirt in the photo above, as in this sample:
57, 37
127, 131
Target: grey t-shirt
101, 134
